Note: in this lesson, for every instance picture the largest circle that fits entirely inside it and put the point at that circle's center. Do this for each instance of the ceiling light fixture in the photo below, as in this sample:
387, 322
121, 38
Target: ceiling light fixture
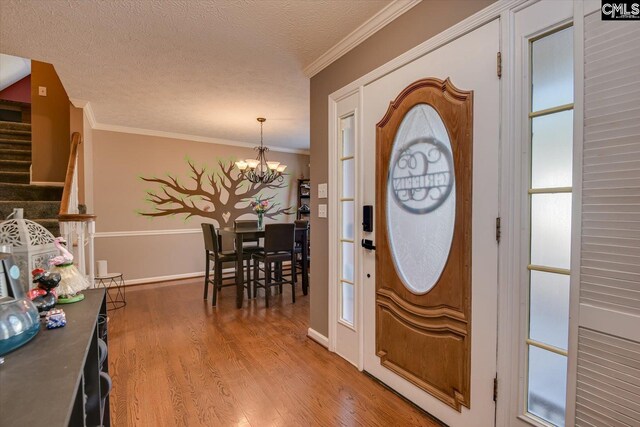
259, 170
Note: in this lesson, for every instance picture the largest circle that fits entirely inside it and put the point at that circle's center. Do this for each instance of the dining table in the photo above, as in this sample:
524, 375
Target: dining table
240, 235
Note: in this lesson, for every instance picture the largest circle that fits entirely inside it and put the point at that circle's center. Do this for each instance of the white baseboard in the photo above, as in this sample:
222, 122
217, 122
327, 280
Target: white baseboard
48, 184
163, 278
144, 280
318, 337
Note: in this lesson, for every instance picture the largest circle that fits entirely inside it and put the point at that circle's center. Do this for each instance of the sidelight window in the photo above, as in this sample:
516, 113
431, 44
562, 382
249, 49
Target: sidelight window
346, 214
550, 195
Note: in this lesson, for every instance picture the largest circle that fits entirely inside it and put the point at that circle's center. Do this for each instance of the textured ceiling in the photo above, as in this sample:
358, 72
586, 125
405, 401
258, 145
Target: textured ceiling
205, 68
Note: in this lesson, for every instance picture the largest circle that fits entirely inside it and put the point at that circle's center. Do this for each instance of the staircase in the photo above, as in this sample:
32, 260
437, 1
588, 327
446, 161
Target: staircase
41, 203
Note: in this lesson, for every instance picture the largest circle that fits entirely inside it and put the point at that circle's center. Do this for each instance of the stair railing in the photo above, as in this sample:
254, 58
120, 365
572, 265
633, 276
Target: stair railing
77, 228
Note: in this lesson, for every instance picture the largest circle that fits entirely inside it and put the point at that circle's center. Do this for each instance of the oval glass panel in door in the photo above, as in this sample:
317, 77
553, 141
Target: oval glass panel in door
421, 199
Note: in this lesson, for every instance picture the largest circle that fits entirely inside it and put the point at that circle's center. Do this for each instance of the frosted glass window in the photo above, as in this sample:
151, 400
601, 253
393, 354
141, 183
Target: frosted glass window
348, 136
348, 220
552, 70
547, 385
421, 199
348, 178
551, 230
347, 302
549, 314
347, 261
552, 150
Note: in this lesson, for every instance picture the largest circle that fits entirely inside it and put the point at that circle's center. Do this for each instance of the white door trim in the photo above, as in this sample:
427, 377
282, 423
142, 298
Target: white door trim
465, 26
333, 203
576, 205
513, 253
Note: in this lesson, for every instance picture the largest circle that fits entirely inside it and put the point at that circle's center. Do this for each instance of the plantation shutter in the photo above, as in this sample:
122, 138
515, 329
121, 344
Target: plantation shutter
608, 369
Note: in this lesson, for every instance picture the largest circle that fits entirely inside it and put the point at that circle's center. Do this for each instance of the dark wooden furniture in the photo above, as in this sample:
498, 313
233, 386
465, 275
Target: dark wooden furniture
44, 382
436, 323
278, 248
302, 230
239, 236
215, 254
304, 198
248, 224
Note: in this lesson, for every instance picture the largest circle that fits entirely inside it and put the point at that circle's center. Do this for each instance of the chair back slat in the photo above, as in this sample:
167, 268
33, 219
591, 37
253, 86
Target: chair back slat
279, 237
245, 224
207, 233
212, 240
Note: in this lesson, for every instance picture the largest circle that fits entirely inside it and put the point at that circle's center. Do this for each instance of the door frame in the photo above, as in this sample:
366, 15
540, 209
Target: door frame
500, 9
512, 299
333, 201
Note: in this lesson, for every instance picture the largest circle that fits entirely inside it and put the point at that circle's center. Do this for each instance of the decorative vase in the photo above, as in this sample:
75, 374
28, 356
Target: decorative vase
260, 220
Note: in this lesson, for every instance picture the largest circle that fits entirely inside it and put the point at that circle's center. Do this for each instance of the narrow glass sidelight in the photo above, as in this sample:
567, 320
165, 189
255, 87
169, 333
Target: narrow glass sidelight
347, 187
550, 200
421, 199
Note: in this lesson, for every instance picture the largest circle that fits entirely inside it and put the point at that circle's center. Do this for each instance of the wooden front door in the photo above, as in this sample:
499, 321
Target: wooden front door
424, 150
430, 146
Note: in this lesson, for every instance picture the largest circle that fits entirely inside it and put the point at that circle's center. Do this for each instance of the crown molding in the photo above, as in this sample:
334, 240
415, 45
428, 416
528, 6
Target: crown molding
78, 103
87, 110
188, 137
360, 34
478, 19
86, 106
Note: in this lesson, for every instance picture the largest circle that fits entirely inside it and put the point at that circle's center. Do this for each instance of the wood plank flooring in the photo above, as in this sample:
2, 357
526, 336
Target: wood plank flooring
176, 361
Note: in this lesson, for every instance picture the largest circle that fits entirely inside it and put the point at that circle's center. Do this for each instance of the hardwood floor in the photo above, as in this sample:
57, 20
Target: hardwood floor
176, 361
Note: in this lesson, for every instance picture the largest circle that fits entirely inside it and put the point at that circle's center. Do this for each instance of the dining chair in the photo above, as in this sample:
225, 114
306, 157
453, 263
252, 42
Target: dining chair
215, 254
278, 248
249, 245
207, 234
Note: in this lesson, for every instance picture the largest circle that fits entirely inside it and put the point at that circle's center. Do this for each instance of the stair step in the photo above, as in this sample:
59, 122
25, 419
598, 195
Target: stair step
15, 165
28, 192
32, 209
15, 177
15, 134
11, 140
15, 144
7, 154
15, 126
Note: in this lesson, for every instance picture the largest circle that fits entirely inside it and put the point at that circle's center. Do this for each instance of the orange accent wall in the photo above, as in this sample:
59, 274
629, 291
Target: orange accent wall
20, 91
49, 125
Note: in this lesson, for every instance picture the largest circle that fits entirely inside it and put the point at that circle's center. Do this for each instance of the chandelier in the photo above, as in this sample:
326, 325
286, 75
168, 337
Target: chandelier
259, 170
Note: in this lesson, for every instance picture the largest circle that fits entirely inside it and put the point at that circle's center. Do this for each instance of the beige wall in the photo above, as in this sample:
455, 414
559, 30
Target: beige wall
422, 22
120, 159
49, 125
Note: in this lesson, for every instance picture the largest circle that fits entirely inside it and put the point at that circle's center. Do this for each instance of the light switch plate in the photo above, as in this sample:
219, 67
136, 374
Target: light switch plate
322, 191
322, 211
42, 90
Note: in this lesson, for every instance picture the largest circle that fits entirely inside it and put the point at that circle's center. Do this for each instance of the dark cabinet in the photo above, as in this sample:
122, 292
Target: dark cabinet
61, 377
304, 198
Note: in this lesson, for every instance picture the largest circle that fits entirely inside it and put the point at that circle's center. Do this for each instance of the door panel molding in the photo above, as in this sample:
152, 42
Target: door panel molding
437, 323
